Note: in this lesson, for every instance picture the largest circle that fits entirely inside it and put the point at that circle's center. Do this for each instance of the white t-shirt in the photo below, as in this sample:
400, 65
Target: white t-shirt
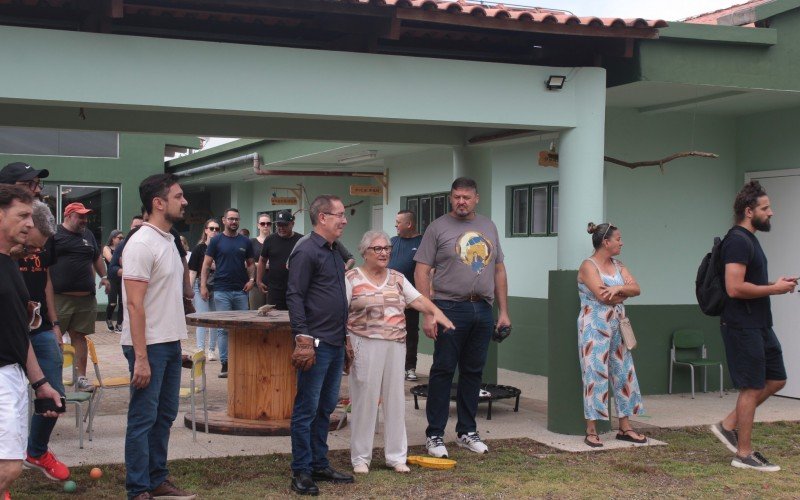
150, 256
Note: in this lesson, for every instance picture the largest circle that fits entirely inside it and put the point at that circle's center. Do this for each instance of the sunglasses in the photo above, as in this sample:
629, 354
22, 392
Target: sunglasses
210, 228
262, 224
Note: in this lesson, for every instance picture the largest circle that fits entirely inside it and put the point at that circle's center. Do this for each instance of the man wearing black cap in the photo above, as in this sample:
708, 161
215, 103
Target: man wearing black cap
24, 175
274, 254
34, 260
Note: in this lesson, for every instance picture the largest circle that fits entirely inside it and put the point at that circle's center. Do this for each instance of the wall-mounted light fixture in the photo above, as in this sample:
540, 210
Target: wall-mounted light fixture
555, 82
369, 155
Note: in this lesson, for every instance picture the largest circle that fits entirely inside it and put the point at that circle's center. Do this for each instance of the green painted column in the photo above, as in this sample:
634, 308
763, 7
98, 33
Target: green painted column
580, 181
564, 387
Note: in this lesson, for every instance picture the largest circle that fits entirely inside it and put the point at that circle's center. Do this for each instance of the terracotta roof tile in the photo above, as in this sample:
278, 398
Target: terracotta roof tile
522, 14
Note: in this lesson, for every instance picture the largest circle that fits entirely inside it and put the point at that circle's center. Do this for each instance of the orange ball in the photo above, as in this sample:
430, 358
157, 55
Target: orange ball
96, 473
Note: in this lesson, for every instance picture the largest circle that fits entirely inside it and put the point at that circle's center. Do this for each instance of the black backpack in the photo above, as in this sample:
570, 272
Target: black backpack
710, 282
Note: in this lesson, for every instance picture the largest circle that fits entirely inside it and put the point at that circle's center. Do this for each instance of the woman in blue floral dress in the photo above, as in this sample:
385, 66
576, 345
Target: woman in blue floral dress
603, 285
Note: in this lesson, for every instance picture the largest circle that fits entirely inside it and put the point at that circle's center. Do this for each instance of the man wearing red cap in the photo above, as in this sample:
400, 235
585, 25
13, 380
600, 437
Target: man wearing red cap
78, 257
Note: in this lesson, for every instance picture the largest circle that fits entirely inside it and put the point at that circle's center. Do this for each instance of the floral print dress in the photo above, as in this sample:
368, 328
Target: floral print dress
603, 356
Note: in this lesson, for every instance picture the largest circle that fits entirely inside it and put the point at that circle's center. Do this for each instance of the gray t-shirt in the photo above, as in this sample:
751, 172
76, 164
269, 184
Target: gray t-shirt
463, 254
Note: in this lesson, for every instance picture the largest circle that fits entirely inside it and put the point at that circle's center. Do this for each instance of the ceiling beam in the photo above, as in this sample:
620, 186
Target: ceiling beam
690, 103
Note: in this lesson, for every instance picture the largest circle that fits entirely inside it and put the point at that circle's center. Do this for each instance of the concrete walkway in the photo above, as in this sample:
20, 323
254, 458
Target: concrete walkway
530, 422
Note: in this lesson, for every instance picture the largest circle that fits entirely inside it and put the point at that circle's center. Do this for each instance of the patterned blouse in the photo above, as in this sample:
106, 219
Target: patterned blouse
377, 312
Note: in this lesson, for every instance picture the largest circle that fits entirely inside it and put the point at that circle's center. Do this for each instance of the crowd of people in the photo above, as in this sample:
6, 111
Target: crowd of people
358, 321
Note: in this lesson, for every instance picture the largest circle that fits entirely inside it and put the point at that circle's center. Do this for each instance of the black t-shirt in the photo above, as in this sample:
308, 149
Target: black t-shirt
75, 255
275, 252
196, 260
34, 272
14, 313
744, 248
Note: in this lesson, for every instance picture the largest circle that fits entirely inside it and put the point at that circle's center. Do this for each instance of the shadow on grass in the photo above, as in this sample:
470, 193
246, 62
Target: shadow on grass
694, 464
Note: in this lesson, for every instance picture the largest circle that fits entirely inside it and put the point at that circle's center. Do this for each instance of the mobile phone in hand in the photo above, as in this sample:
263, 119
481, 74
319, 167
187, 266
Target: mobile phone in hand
43, 405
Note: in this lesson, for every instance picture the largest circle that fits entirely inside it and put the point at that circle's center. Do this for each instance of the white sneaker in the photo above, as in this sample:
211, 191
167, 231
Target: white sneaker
211, 356
472, 442
435, 446
411, 375
361, 469
401, 468
84, 385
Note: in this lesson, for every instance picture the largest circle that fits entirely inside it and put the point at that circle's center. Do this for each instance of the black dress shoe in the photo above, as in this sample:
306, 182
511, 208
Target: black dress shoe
304, 485
332, 475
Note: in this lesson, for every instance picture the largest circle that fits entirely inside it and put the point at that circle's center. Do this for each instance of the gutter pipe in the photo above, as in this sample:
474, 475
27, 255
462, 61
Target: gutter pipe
252, 157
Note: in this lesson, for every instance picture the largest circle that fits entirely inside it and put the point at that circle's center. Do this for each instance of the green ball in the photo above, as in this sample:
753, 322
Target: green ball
70, 486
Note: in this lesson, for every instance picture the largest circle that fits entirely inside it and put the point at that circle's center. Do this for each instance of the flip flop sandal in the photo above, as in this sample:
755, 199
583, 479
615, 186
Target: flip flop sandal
624, 436
593, 444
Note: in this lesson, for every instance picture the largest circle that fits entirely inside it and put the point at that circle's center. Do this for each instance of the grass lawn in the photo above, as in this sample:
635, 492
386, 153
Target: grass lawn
693, 465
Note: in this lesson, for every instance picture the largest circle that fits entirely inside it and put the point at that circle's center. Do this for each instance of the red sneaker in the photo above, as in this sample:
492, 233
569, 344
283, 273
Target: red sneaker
49, 465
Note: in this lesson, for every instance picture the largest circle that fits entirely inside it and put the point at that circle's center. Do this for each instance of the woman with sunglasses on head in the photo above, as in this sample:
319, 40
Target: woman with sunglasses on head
210, 229
604, 284
115, 291
256, 296
376, 328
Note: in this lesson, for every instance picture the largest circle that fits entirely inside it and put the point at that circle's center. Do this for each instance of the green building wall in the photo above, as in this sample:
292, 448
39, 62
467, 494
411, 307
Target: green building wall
140, 155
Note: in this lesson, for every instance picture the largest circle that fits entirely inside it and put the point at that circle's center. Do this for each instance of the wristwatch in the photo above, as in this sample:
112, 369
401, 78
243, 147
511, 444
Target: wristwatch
39, 383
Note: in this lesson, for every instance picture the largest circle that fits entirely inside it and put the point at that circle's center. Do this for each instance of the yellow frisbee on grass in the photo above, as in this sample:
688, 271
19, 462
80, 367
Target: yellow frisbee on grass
431, 462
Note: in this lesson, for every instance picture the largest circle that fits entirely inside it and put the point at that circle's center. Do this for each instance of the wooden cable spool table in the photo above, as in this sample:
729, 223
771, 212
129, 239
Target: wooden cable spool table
262, 382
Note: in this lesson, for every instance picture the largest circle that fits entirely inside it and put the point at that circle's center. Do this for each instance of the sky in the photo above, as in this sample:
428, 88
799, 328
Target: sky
669, 10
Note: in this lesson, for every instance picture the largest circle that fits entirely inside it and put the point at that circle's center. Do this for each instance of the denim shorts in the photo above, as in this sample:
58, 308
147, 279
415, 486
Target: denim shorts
754, 356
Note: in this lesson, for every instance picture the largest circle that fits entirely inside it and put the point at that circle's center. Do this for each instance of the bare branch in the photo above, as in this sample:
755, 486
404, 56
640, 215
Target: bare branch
660, 162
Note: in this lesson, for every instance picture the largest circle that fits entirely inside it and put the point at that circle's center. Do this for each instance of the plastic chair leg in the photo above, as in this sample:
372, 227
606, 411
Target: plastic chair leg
194, 414
705, 379
720, 380
671, 365
692, 371
205, 408
79, 419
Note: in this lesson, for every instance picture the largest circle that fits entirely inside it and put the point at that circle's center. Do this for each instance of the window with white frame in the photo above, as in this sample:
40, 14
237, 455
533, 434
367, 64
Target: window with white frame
533, 210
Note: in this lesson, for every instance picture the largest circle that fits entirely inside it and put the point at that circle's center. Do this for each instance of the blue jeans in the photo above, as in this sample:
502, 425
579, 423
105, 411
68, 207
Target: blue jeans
234, 300
317, 395
50, 359
151, 412
202, 306
465, 348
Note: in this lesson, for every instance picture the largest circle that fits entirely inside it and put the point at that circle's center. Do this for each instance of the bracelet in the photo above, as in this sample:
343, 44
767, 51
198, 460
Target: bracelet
56, 323
39, 383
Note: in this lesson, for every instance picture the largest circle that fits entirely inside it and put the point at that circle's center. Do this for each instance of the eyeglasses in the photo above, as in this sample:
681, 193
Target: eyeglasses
209, 228
32, 184
262, 224
377, 249
338, 216
233, 219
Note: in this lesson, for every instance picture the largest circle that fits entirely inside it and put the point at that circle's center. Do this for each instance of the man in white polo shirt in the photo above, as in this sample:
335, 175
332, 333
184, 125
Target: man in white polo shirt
152, 330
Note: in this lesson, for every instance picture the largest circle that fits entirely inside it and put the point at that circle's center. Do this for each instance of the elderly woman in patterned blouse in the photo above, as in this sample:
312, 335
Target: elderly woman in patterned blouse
377, 332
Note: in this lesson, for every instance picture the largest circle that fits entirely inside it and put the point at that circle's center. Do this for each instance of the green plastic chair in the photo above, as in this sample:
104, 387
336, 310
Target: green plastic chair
686, 345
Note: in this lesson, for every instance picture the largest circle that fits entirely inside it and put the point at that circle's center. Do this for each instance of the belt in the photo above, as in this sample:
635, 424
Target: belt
473, 297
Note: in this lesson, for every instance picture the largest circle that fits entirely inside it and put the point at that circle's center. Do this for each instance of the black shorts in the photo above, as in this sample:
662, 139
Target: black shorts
754, 356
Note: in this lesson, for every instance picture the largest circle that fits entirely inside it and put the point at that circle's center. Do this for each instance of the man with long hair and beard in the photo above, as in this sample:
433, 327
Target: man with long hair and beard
755, 359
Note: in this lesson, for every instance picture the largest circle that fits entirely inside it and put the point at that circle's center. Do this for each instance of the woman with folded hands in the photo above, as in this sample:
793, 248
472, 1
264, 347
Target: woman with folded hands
376, 334
604, 284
